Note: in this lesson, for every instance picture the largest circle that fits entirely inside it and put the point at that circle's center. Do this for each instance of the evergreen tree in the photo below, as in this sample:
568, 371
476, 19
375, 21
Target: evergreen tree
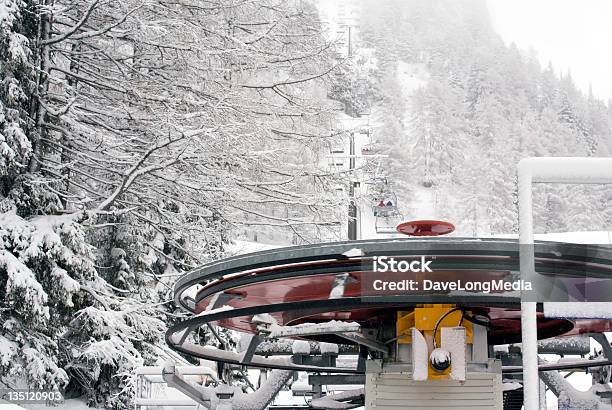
484, 106
133, 138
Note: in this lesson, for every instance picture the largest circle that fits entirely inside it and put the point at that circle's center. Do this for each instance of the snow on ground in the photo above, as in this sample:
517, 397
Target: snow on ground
70, 404
8, 406
239, 247
414, 200
422, 201
411, 76
423, 204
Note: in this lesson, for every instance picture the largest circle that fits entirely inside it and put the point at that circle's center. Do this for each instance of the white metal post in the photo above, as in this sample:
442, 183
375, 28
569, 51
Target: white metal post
529, 338
545, 170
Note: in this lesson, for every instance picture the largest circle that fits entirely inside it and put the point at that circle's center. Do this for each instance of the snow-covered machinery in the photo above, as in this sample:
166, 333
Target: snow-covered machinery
324, 315
344, 329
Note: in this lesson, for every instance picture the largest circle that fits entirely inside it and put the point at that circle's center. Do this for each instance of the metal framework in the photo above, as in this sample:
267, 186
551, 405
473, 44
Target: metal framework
221, 293
220, 285
147, 377
545, 170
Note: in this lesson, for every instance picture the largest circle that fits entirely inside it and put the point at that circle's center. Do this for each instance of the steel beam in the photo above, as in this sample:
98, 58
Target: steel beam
197, 393
364, 341
336, 379
605, 344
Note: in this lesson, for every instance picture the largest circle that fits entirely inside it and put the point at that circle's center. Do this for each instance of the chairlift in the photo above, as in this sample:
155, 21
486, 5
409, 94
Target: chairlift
387, 216
385, 205
387, 225
367, 150
337, 148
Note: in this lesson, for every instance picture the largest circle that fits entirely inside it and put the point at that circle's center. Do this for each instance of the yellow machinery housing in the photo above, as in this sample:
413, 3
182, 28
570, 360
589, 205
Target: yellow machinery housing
429, 319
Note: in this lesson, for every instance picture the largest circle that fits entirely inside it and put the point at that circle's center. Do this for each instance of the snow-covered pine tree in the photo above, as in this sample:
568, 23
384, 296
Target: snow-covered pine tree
17, 54
40, 259
135, 137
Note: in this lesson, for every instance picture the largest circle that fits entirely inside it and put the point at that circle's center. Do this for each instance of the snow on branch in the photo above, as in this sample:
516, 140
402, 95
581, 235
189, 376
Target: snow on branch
73, 29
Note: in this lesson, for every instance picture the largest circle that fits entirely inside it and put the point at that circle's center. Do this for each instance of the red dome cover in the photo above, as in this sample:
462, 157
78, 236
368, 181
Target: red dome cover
425, 228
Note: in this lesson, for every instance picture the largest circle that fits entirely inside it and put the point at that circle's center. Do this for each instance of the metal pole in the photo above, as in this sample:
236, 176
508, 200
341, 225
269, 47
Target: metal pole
350, 44
529, 338
352, 222
546, 170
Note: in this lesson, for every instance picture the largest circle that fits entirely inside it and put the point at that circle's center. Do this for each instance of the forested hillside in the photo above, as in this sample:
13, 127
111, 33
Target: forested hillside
483, 106
135, 138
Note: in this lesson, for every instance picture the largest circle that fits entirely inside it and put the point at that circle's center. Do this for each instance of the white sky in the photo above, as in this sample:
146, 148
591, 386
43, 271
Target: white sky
574, 34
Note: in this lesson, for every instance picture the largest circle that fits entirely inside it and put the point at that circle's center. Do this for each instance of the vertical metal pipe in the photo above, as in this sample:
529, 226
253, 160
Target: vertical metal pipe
529, 339
352, 222
547, 170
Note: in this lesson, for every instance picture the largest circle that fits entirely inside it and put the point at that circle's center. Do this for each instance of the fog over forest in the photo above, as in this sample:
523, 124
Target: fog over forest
477, 108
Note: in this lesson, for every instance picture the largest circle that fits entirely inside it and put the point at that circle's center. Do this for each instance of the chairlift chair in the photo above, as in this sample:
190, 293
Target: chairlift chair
367, 150
387, 217
387, 225
385, 205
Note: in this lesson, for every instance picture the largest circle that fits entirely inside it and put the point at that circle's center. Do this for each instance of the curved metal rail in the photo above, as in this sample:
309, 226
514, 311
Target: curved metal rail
484, 255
